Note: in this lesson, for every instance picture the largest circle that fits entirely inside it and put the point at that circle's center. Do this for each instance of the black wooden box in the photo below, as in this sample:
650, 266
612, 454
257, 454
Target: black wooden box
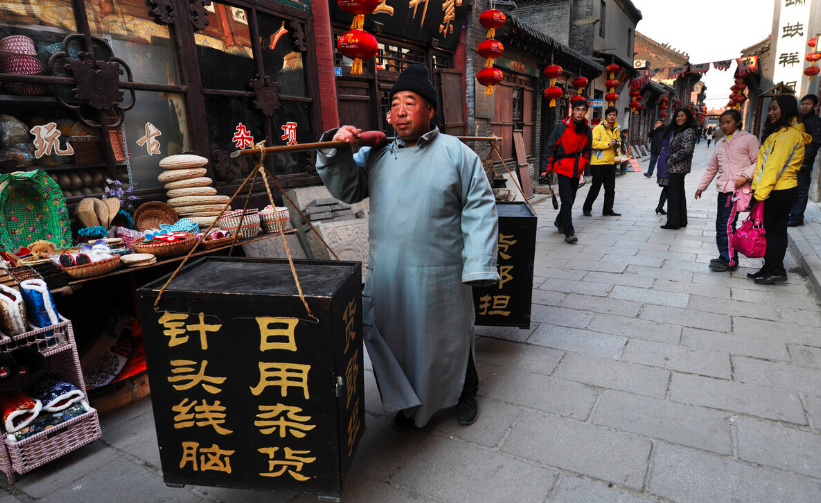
248, 391
507, 303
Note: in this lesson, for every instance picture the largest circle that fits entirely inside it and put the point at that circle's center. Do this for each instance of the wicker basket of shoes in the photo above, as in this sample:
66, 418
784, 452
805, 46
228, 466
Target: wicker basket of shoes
93, 269
250, 223
166, 249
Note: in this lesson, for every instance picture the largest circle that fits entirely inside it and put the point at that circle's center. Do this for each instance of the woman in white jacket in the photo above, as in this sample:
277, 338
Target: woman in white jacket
733, 161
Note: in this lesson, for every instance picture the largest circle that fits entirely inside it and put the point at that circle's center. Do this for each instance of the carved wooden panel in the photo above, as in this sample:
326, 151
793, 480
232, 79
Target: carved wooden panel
267, 91
222, 166
299, 36
163, 10
199, 15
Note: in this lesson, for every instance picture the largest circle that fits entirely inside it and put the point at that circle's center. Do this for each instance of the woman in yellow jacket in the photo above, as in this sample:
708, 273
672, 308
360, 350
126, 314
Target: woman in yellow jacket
775, 182
606, 140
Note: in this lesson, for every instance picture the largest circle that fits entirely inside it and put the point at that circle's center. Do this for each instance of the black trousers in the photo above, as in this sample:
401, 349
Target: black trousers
568, 186
662, 198
776, 215
676, 201
604, 174
471, 386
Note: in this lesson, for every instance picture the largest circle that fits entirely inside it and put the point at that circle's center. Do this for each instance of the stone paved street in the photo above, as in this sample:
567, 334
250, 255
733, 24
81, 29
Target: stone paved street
644, 377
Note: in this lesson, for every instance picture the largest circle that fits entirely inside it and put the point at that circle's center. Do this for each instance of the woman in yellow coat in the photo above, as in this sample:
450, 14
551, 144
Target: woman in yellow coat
775, 182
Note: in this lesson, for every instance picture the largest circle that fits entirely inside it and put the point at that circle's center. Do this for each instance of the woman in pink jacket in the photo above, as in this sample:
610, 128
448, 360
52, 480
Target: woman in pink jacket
734, 161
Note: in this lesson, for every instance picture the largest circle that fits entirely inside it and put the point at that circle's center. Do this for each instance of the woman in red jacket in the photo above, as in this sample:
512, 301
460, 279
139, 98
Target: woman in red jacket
567, 153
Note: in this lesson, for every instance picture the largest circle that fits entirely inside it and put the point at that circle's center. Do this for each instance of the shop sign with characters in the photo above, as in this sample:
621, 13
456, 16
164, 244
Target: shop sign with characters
417, 20
250, 391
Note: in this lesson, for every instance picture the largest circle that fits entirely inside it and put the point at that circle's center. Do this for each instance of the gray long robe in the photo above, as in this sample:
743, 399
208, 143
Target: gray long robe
433, 233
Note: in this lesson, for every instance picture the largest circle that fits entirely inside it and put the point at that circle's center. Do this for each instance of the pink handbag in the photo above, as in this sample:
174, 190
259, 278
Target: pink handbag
750, 239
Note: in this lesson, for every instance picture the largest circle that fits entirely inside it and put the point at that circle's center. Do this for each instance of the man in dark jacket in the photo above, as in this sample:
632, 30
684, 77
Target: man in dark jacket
656, 138
567, 153
812, 126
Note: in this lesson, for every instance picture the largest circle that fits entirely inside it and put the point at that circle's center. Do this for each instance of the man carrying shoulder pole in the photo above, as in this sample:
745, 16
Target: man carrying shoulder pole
567, 153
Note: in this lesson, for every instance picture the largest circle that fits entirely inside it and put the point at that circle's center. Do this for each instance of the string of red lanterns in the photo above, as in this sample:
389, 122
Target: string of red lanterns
489, 49
737, 96
664, 103
634, 105
357, 44
553, 92
612, 83
813, 57
579, 83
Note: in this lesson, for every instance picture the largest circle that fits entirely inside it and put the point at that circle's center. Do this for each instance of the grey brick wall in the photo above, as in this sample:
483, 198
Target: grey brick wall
551, 17
582, 37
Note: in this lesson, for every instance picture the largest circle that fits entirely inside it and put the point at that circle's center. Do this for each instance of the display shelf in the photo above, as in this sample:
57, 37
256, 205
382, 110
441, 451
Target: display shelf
27, 99
88, 165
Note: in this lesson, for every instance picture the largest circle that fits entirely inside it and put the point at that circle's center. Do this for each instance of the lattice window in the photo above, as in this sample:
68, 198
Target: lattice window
395, 58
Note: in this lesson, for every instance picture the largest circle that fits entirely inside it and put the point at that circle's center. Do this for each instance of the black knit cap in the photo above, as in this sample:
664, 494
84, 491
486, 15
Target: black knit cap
416, 79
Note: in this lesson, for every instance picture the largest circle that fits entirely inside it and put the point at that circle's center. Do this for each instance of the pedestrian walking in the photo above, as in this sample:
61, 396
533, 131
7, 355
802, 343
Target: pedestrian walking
603, 164
709, 137
567, 154
775, 181
433, 235
678, 163
732, 165
661, 174
656, 139
812, 125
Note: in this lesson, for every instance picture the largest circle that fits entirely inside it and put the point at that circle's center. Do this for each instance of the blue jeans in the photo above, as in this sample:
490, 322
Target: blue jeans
652, 166
725, 228
804, 181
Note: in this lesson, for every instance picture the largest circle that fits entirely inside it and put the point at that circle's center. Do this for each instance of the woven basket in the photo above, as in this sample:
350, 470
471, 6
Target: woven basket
138, 259
54, 275
197, 200
153, 213
192, 191
175, 175
88, 149
268, 219
24, 272
17, 44
94, 269
215, 243
203, 222
250, 223
202, 181
163, 249
183, 161
23, 65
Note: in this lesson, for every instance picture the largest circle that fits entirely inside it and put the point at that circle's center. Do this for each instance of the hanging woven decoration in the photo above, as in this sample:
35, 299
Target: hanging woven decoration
357, 44
579, 83
612, 84
553, 92
489, 49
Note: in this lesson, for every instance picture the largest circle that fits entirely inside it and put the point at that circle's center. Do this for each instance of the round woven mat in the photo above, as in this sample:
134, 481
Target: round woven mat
183, 161
175, 175
135, 259
195, 200
203, 222
199, 208
192, 191
202, 181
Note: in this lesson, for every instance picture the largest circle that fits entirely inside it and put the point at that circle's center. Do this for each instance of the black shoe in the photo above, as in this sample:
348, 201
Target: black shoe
559, 226
467, 411
769, 279
667, 226
647, 175
722, 267
757, 274
587, 213
611, 213
660, 211
571, 239
403, 423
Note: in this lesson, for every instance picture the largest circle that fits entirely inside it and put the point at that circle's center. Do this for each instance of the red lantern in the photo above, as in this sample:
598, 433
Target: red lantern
490, 77
553, 71
611, 98
580, 82
663, 114
736, 87
491, 20
664, 107
357, 45
553, 93
612, 83
612, 68
813, 56
811, 71
739, 98
812, 41
664, 100
491, 48
634, 94
635, 106
358, 9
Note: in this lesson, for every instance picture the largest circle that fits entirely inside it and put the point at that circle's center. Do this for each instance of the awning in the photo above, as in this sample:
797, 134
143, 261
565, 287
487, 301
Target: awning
528, 38
612, 58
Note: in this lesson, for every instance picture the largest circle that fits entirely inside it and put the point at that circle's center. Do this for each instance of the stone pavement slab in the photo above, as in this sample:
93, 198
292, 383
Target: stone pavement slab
541, 392
778, 446
736, 344
777, 375
534, 359
580, 341
580, 448
680, 358
576, 490
611, 374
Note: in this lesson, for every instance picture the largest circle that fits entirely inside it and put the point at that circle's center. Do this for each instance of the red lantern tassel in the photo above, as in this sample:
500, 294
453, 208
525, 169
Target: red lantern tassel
356, 69
552, 103
358, 23
491, 33
488, 90
489, 63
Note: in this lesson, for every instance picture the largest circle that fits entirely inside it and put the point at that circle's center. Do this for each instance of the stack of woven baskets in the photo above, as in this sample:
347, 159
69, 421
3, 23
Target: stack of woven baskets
189, 191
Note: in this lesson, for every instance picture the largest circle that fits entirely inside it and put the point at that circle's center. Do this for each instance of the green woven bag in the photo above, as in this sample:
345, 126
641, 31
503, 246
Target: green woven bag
32, 207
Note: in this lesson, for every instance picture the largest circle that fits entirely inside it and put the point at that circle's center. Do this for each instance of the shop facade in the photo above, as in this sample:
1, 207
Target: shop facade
128, 82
